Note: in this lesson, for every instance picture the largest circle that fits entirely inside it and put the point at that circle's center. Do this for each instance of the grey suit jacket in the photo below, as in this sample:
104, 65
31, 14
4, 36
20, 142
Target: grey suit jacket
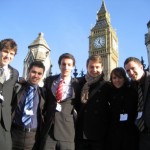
63, 121
7, 91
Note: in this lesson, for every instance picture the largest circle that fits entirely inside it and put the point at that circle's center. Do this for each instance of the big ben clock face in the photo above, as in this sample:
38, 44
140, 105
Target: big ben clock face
99, 42
115, 46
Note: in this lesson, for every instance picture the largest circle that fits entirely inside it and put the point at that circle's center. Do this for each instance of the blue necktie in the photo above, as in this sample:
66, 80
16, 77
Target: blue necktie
26, 118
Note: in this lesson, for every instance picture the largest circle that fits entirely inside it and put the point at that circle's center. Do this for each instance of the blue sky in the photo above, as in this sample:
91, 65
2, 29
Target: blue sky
66, 26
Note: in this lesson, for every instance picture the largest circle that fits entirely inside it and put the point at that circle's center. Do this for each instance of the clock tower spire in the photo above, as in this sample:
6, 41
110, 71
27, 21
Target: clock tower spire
103, 41
103, 13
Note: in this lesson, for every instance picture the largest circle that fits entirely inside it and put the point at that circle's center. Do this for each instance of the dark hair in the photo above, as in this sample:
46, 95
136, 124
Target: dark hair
66, 55
37, 64
8, 44
129, 59
119, 72
96, 58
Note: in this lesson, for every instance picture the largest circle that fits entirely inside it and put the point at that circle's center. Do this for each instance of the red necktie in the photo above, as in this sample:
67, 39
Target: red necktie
59, 91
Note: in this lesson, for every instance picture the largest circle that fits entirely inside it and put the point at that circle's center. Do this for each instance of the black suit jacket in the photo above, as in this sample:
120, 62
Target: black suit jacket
63, 121
146, 98
18, 91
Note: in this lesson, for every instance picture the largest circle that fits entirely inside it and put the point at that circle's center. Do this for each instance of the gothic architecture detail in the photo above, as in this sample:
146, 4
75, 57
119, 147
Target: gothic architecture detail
147, 43
104, 42
38, 50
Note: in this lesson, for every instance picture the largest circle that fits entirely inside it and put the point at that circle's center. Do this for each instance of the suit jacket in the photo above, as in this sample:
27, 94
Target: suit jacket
18, 91
7, 91
63, 121
93, 117
146, 98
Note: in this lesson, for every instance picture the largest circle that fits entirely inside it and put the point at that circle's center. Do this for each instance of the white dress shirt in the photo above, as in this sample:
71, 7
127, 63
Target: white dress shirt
67, 88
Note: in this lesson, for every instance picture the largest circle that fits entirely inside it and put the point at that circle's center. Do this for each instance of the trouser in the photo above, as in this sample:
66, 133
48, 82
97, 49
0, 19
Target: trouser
144, 140
5, 139
85, 144
22, 140
53, 144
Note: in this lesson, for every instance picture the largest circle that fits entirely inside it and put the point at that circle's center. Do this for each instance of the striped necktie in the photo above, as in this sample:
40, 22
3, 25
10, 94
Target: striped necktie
140, 121
2, 75
1, 71
28, 108
59, 91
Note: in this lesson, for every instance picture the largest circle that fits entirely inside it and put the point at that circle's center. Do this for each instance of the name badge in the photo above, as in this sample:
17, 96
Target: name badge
139, 115
29, 112
58, 107
123, 117
1, 97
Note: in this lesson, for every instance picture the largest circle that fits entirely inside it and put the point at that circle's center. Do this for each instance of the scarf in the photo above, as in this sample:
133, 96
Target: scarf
85, 90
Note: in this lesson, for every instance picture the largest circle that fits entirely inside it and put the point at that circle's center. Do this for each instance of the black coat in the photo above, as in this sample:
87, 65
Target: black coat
93, 117
123, 101
123, 133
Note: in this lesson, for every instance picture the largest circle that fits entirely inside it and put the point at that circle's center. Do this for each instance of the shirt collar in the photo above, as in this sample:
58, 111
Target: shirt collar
35, 86
68, 80
5, 67
142, 80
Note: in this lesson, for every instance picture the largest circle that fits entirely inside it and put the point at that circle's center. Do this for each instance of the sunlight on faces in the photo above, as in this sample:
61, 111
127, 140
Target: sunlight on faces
134, 70
118, 82
66, 67
35, 75
94, 68
6, 56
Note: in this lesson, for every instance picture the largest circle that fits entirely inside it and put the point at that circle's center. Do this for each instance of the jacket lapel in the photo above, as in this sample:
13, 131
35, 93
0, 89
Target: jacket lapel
147, 83
74, 87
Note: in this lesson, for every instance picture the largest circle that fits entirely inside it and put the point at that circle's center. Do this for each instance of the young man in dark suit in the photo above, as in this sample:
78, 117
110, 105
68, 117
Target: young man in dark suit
59, 129
8, 78
27, 107
141, 80
93, 115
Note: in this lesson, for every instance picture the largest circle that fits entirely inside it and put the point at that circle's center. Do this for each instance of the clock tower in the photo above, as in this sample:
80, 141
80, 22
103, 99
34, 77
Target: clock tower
103, 41
147, 43
38, 51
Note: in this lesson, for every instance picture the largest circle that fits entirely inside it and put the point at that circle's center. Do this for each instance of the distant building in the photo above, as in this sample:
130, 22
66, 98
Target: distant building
147, 43
40, 51
104, 41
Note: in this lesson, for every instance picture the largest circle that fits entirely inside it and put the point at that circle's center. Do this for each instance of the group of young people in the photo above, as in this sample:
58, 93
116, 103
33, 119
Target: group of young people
85, 113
